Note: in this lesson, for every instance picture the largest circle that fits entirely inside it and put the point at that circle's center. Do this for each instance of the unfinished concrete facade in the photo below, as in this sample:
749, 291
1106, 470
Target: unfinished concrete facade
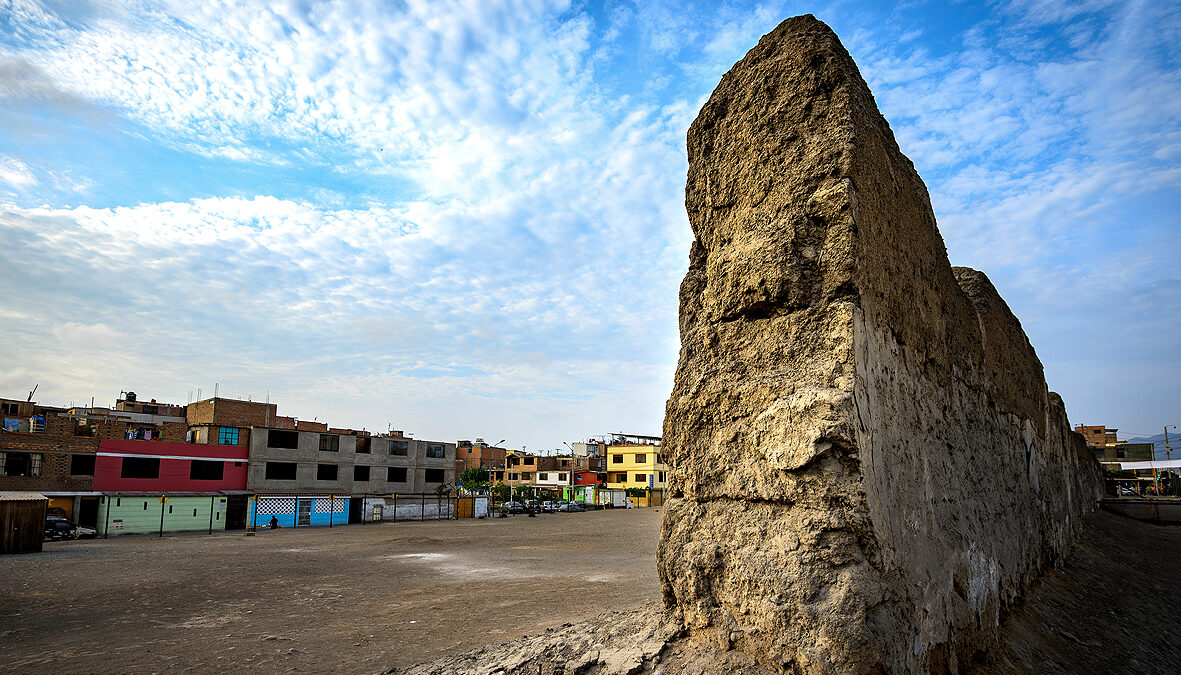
866, 463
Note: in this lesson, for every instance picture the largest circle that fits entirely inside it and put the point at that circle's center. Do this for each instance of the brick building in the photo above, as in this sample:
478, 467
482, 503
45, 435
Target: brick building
478, 454
227, 421
1098, 437
52, 450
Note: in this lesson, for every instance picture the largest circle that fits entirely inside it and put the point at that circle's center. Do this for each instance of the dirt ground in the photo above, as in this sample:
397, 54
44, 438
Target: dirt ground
1113, 607
349, 599
371, 598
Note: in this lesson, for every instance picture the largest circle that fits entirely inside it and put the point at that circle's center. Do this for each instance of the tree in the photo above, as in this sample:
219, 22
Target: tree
474, 478
501, 491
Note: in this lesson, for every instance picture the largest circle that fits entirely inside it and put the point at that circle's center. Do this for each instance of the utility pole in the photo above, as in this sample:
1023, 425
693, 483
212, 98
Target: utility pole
1168, 450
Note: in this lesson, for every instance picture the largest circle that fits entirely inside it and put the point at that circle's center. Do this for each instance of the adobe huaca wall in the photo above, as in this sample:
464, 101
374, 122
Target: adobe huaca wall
866, 464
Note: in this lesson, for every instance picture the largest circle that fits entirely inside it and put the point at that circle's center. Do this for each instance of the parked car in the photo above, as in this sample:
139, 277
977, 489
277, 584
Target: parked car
532, 504
512, 507
549, 506
58, 528
570, 507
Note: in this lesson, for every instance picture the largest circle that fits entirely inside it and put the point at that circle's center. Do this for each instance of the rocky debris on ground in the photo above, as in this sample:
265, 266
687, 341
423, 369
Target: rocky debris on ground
617, 643
866, 465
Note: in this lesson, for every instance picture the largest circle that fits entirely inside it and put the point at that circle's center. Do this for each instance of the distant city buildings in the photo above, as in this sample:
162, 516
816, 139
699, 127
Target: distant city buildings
221, 463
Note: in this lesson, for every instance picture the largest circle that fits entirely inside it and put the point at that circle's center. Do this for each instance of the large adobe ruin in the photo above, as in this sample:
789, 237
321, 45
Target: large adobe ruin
866, 463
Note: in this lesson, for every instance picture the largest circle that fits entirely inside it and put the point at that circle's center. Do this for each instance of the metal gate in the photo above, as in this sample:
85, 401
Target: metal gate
304, 517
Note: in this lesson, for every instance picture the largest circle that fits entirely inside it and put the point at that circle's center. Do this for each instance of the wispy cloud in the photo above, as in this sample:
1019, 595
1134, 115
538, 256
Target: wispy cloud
458, 216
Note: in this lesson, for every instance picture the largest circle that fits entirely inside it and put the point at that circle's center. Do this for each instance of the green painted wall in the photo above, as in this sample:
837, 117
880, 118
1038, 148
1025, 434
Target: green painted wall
141, 515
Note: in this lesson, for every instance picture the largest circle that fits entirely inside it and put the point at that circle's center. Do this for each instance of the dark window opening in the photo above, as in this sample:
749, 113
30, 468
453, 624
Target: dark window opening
204, 470
82, 465
170, 509
640, 478
20, 464
140, 467
433, 476
362, 446
329, 443
277, 438
434, 450
399, 448
640, 459
617, 459
396, 474
151, 410
280, 471
11, 408
325, 472
360, 472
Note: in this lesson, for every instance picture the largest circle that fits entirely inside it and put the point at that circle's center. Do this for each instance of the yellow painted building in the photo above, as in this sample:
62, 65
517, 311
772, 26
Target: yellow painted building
519, 469
636, 465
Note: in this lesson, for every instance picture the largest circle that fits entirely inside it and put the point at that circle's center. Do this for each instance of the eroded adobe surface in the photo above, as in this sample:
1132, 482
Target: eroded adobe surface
866, 462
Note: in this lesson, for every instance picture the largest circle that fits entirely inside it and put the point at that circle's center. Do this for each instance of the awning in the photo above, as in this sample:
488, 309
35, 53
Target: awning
1163, 464
22, 497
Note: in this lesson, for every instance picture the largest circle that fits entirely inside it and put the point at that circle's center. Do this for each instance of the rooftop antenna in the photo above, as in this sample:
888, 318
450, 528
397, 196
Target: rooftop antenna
215, 387
30, 399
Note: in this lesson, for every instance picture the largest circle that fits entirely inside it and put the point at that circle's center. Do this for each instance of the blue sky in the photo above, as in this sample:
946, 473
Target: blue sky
465, 219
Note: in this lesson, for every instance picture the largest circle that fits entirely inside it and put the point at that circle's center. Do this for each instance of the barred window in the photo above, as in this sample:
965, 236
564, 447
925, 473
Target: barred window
20, 464
434, 450
227, 436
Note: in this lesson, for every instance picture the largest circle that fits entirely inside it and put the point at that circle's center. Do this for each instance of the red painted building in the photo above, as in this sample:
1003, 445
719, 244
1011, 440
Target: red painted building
587, 478
152, 466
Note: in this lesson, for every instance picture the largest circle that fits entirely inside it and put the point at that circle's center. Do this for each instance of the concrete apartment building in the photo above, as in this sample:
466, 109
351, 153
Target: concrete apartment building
346, 462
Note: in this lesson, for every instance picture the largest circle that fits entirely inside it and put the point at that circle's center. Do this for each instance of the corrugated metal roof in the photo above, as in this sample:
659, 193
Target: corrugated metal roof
22, 497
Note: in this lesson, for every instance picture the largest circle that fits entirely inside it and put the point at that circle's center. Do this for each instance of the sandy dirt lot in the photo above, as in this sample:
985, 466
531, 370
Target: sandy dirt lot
350, 599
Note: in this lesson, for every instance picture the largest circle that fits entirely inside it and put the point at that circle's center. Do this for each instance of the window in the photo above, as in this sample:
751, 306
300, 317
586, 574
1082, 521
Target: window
362, 446
434, 450
641, 478
14, 409
397, 474
200, 469
565, 463
617, 459
433, 476
399, 448
280, 471
640, 459
562, 477
621, 478
81, 465
151, 410
512, 476
227, 435
529, 461
662, 479
140, 467
325, 472
360, 472
329, 443
277, 438
20, 464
